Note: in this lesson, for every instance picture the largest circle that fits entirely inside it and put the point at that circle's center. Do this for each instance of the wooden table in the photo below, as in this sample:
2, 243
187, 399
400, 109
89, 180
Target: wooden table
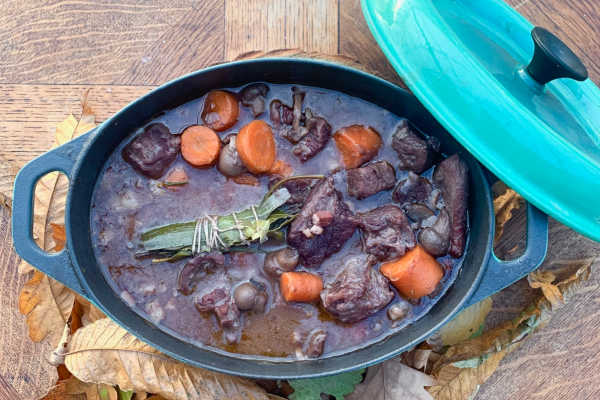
51, 51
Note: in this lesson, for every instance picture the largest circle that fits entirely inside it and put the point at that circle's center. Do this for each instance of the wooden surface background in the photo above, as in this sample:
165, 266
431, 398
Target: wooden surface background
51, 51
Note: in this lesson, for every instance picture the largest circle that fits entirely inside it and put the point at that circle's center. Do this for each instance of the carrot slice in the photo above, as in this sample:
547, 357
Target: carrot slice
246, 179
300, 286
256, 146
220, 110
357, 144
175, 179
200, 146
415, 274
282, 169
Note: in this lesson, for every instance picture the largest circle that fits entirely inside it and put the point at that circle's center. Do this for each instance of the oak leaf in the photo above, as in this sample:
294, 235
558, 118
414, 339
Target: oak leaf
504, 205
103, 352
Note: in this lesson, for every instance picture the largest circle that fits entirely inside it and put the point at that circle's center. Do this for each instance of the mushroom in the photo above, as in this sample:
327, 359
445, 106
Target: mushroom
280, 261
245, 296
398, 311
193, 271
436, 239
417, 211
253, 96
230, 163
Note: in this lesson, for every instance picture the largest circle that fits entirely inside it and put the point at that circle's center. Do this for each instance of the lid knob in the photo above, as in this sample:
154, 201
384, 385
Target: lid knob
552, 59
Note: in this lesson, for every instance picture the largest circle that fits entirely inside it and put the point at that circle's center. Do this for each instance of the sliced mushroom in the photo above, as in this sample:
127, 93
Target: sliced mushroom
253, 96
436, 239
193, 271
417, 211
280, 114
280, 261
230, 163
398, 311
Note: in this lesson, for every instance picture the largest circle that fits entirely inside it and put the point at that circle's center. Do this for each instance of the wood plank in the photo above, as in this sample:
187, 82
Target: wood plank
65, 41
266, 25
357, 42
30, 113
192, 43
24, 371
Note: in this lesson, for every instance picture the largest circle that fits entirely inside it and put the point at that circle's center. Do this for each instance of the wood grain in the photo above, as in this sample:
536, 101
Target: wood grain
64, 41
30, 113
263, 25
24, 373
52, 51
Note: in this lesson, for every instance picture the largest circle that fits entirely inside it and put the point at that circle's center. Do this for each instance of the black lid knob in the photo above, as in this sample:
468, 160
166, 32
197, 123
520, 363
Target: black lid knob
552, 59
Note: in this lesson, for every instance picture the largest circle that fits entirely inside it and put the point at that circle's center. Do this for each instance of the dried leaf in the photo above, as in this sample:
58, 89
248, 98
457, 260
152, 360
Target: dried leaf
74, 389
89, 312
504, 205
47, 305
59, 236
543, 280
467, 323
103, 352
466, 365
393, 380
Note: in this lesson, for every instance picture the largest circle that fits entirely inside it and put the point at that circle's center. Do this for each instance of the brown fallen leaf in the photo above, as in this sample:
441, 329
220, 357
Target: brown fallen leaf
59, 236
393, 380
47, 305
467, 323
103, 352
74, 389
466, 365
504, 205
543, 280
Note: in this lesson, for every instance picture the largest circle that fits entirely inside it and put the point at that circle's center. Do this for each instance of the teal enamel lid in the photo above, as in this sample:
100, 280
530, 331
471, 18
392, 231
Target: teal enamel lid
470, 63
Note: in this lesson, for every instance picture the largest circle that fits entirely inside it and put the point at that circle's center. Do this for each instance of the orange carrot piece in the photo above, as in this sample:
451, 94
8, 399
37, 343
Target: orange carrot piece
221, 110
357, 144
415, 274
246, 179
256, 146
200, 146
175, 179
282, 169
300, 286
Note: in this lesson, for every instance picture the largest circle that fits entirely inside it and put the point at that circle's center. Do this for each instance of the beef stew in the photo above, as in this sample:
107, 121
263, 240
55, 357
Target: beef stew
233, 299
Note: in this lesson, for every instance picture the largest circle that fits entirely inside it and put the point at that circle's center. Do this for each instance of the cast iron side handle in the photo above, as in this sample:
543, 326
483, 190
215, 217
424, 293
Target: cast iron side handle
499, 274
552, 59
58, 265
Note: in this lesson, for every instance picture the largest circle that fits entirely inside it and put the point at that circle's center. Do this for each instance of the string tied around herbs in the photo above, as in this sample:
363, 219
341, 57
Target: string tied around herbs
207, 231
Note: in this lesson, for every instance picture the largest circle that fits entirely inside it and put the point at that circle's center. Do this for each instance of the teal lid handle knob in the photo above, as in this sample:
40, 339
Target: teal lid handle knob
552, 59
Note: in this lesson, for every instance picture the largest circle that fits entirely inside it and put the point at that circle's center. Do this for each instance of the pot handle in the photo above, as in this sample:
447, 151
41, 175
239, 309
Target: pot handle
57, 265
499, 274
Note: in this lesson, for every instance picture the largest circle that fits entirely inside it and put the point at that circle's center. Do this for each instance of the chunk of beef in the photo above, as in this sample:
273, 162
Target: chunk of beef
416, 154
370, 179
386, 232
151, 152
253, 96
222, 304
319, 132
280, 114
413, 189
451, 175
315, 344
436, 239
313, 250
195, 269
357, 291
299, 189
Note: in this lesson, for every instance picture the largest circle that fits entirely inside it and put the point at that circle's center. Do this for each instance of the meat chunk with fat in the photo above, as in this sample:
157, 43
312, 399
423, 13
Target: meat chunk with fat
370, 179
416, 153
313, 250
299, 189
151, 152
319, 133
358, 290
452, 176
253, 97
413, 189
222, 304
386, 232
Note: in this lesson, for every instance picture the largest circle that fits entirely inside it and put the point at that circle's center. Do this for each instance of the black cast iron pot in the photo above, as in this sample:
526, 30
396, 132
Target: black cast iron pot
82, 160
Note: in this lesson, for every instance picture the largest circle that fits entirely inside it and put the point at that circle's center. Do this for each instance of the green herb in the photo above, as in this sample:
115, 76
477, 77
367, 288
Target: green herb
170, 183
124, 395
337, 385
222, 232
